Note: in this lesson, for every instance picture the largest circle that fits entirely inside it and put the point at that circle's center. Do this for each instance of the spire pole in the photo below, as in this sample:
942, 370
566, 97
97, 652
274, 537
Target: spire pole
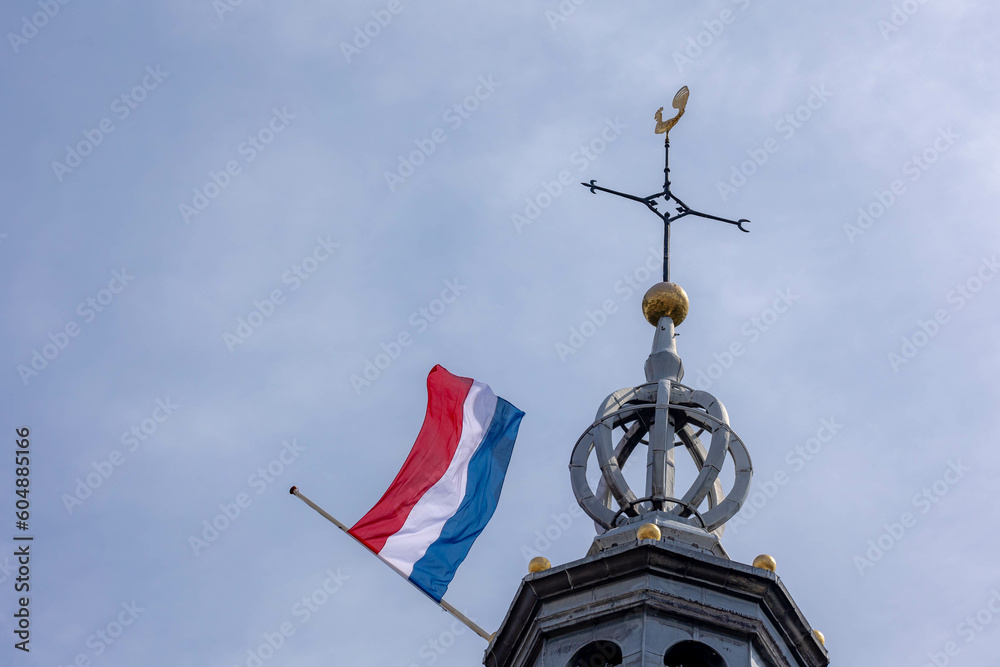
666, 166
666, 251
666, 222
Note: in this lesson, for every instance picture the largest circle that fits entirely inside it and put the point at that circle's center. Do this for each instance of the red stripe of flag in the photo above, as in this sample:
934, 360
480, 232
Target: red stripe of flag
428, 460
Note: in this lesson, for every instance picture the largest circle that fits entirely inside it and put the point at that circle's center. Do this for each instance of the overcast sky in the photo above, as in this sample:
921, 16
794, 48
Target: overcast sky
218, 215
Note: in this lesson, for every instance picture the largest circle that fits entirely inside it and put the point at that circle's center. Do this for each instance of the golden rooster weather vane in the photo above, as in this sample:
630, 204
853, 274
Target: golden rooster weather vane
680, 103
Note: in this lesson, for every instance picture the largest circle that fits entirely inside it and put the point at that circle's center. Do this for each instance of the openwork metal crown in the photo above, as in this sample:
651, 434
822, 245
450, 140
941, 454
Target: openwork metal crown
663, 415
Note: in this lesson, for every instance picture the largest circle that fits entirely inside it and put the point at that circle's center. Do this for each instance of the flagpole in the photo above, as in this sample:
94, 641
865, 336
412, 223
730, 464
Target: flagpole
443, 604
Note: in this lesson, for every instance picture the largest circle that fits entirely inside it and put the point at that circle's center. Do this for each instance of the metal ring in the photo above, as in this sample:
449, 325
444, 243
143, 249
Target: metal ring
631, 406
686, 506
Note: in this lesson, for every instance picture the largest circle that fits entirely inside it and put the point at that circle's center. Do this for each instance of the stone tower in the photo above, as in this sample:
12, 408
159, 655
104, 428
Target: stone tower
657, 588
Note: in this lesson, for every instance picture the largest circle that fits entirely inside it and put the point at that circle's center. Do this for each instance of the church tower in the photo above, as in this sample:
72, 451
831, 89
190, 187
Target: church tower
657, 588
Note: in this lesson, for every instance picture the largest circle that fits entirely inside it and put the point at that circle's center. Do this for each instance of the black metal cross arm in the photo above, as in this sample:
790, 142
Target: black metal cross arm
648, 201
594, 188
684, 209
739, 223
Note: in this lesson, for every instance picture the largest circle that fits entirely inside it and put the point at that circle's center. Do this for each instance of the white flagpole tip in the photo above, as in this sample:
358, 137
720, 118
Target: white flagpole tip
293, 490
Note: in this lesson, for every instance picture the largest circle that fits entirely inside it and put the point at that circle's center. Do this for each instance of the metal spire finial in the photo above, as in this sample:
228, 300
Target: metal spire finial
662, 414
680, 208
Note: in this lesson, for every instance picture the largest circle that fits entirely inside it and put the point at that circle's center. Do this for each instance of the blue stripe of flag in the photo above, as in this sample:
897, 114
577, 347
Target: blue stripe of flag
487, 469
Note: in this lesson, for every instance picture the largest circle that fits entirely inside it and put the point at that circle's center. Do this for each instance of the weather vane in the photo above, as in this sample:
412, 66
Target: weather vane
680, 208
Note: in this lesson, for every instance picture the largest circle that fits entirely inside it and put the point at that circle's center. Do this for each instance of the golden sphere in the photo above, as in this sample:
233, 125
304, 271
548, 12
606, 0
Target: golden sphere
819, 637
665, 300
539, 564
649, 531
765, 562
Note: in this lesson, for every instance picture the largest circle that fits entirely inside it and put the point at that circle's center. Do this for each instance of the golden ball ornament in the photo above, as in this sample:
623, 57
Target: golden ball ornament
765, 562
665, 300
539, 564
649, 531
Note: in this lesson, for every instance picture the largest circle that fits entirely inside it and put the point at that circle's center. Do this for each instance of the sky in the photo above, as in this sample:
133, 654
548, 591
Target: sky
231, 228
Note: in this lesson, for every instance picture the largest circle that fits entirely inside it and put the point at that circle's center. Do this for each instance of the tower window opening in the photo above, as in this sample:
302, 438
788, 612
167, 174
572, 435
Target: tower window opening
597, 654
692, 654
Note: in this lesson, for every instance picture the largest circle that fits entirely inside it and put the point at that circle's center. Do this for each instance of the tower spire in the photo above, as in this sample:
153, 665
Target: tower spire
657, 588
663, 414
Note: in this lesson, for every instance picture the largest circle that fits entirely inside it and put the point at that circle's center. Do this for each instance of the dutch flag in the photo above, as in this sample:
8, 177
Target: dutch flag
449, 486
